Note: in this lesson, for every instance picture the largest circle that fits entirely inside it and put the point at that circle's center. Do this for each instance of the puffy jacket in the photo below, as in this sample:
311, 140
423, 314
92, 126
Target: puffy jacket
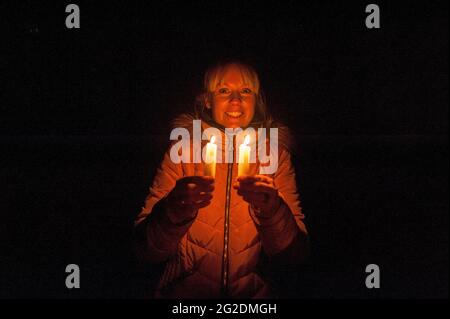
226, 251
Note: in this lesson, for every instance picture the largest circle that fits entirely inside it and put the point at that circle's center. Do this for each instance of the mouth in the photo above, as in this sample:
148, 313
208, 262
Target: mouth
234, 115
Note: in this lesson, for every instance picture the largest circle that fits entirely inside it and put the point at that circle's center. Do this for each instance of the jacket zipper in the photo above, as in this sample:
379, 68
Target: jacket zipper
226, 233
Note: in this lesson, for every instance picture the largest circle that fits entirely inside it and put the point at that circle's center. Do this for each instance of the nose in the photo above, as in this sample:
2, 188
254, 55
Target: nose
235, 97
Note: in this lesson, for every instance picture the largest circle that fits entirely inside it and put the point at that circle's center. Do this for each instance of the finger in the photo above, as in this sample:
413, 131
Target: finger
206, 188
198, 180
254, 184
264, 184
199, 197
255, 178
201, 204
242, 185
242, 192
255, 197
266, 179
260, 188
237, 185
187, 200
248, 178
256, 181
192, 189
256, 204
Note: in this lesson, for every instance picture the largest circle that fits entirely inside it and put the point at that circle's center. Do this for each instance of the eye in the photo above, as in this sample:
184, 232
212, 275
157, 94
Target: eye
223, 91
246, 91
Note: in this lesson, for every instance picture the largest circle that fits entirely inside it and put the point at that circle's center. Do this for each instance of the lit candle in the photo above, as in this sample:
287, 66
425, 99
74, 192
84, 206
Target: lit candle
244, 157
210, 158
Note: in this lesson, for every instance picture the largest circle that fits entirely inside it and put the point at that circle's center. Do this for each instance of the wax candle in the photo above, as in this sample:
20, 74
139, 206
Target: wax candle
244, 157
211, 158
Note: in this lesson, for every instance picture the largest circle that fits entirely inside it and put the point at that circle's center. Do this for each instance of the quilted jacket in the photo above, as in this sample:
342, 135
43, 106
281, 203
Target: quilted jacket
226, 251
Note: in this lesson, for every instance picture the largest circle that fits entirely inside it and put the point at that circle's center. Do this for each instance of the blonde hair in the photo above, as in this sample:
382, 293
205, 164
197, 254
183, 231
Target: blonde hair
214, 77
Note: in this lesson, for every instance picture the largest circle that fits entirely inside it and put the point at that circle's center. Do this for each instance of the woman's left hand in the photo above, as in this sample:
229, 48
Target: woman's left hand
260, 192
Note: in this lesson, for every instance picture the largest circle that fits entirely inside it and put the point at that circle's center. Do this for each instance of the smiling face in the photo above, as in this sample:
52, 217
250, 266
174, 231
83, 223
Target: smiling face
233, 99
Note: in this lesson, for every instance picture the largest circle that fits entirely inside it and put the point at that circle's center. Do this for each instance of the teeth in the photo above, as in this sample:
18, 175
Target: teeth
234, 114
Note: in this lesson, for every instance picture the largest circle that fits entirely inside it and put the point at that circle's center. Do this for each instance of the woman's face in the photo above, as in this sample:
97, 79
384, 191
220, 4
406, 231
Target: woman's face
233, 102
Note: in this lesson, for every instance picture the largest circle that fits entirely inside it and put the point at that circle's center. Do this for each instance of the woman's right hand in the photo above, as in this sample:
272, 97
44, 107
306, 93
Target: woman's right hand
189, 195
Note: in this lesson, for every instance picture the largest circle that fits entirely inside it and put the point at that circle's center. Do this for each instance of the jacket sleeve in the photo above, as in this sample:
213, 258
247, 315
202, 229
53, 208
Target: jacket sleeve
156, 237
284, 236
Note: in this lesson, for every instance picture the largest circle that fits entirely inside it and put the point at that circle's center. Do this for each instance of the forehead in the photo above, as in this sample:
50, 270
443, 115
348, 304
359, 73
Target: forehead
233, 74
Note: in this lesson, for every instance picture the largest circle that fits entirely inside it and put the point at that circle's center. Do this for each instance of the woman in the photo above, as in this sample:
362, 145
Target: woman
226, 236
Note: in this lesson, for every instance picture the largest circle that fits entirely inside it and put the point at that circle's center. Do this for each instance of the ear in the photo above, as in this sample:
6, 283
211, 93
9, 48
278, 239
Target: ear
207, 103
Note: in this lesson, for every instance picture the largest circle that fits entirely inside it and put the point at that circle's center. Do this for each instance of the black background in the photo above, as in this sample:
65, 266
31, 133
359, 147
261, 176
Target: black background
85, 119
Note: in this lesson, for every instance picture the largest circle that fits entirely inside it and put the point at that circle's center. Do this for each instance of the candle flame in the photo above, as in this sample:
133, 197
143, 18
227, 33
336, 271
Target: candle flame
247, 139
213, 139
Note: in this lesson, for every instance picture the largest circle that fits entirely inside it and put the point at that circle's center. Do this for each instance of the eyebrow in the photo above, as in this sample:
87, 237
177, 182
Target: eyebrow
228, 84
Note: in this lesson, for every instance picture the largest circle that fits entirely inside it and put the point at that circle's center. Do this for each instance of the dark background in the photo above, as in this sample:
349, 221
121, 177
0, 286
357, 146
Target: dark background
84, 122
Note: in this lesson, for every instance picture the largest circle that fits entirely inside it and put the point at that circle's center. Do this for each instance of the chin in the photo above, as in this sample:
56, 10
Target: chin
234, 125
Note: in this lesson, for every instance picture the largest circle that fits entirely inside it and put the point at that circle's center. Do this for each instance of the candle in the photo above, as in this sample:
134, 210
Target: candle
244, 157
210, 158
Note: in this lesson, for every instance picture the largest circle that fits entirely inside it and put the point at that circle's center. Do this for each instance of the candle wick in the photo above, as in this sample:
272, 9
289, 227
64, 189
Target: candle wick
246, 140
